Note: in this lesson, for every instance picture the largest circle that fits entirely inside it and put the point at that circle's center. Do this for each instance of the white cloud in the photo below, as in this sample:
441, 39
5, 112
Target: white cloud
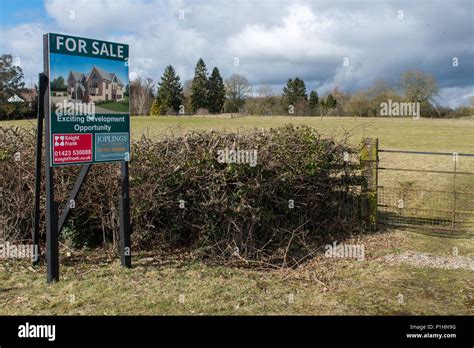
102, 16
274, 40
25, 42
455, 96
301, 35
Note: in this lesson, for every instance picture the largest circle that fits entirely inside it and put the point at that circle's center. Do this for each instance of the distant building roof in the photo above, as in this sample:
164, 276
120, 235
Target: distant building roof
104, 74
15, 99
76, 75
112, 75
28, 95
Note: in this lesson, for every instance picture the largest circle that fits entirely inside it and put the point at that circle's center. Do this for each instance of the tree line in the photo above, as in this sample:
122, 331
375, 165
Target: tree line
210, 94
12, 91
205, 93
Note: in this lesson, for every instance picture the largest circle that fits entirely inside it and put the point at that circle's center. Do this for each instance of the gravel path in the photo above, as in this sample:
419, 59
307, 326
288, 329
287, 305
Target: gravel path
431, 261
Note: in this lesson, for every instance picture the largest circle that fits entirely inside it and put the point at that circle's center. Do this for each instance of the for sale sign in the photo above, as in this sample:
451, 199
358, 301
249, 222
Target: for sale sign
89, 100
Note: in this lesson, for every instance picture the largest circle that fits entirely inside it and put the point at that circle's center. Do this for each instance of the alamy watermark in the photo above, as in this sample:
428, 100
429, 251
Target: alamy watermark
28, 330
237, 156
400, 109
18, 251
354, 251
66, 108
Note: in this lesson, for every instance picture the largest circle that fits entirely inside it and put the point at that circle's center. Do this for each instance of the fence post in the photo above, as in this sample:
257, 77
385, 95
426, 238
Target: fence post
369, 163
453, 218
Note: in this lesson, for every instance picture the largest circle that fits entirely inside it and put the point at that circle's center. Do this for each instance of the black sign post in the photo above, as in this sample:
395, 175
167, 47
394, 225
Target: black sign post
52, 242
43, 82
125, 246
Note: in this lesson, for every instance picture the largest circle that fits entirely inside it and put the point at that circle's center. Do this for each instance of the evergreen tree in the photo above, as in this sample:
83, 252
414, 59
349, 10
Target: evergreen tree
294, 91
170, 92
216, 92
199, 86
11, 79
313, 99
331, 102
155, 108
58, 84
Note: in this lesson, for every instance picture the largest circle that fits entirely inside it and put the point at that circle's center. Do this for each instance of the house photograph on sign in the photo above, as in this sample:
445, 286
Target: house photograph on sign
82, 82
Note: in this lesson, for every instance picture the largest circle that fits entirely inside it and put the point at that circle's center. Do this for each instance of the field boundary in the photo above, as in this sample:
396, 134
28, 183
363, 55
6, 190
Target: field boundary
451, 211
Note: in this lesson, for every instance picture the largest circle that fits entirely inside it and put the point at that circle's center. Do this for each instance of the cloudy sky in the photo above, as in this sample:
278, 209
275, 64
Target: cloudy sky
271, 40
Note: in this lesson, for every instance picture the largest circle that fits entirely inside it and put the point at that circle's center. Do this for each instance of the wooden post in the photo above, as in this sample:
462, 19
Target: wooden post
453, 217
369, 163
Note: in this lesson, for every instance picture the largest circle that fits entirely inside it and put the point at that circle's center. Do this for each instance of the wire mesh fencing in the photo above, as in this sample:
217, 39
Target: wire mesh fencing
443, 210
428, 190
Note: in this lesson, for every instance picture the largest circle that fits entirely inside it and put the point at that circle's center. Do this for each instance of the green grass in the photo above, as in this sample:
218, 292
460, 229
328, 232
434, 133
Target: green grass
92, 283
423, 134
435, 135
405, 134
322, 286
120, 106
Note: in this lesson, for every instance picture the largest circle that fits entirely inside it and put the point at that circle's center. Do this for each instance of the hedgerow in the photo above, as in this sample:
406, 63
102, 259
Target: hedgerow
301, 192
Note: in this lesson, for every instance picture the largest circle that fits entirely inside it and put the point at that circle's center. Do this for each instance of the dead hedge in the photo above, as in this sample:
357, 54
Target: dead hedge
300, 192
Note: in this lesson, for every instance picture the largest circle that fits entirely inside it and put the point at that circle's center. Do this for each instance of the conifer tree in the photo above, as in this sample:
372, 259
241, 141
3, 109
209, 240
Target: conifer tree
313, 99
331, 102
215, 92
199, 86
294, 91
170, 91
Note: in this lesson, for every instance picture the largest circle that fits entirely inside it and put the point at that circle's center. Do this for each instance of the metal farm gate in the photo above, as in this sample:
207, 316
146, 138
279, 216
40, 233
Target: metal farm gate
426, 190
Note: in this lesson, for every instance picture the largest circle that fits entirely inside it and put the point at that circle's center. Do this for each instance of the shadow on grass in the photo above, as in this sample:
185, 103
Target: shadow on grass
432, 226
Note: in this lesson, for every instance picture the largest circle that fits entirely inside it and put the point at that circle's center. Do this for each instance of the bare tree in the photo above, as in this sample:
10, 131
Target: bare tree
187, 88
265, 101
418, 86
265, 91
141, 95
380, 92
237, 88
358, 104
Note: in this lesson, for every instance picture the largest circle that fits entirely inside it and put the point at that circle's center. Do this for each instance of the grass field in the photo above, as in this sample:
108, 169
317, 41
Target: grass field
93, 283
423, 134
121, 105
